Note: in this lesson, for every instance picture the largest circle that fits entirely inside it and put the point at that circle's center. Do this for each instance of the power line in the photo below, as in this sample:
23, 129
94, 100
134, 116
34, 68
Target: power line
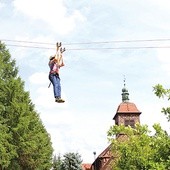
119, 41
95, 42
85, 49
29, 42
121, 48
27, 46
15, 44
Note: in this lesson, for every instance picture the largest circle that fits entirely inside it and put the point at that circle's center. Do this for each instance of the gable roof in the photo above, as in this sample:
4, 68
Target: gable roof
104, 159
104, 153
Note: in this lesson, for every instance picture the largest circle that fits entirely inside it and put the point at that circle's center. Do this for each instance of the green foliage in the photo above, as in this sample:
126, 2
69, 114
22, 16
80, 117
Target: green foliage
25, 143
7, 149
7, 66
57, 163
70, 161
138, 150
161, 92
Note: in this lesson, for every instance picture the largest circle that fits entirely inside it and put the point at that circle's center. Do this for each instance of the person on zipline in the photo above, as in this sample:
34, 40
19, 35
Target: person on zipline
55, 62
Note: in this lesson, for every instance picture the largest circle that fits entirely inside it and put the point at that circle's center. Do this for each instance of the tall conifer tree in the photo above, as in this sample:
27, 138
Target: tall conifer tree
25, 143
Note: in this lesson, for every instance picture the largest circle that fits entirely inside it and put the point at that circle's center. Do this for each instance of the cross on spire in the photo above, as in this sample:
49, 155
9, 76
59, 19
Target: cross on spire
125, 94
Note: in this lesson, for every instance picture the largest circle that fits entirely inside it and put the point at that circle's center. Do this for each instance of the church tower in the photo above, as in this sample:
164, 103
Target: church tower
127, 112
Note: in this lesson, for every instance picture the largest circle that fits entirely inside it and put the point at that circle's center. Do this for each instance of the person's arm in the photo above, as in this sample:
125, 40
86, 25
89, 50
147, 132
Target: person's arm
57, 55
61, 62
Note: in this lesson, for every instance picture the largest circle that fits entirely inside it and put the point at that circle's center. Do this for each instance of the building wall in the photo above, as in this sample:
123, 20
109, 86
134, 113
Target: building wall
120, 119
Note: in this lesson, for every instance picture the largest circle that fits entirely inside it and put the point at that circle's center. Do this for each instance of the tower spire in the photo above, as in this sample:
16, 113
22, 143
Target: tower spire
125, 93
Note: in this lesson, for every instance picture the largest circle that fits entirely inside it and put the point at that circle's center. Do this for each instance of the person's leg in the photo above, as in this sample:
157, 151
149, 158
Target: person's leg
55, 80
57, 86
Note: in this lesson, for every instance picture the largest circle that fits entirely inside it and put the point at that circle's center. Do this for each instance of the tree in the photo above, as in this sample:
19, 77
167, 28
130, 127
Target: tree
57, 162
25, 143
69, 161
139, 150
72, 161
161, 92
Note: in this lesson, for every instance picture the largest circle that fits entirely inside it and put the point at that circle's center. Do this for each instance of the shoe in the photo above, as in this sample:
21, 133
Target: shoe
59, 100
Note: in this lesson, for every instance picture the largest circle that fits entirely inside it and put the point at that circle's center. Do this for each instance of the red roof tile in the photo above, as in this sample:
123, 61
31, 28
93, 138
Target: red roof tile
127, 107
86, 166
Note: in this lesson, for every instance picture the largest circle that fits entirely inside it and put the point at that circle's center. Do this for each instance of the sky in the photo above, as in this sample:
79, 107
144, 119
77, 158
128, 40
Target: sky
102, 49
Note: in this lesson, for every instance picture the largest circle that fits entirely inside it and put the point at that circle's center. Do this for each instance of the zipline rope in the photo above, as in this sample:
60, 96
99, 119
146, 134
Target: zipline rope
15, 44
85, 49
99, 42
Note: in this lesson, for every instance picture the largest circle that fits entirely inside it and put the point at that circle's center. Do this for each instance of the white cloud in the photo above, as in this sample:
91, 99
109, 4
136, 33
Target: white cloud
41, 41
152, 114
162, 4
39, 78
44, 96
57, 117
76, 131
164, 58
52, 12
46, 100
1, 5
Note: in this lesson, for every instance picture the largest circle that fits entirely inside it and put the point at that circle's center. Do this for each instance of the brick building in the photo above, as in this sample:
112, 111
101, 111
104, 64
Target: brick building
127, 114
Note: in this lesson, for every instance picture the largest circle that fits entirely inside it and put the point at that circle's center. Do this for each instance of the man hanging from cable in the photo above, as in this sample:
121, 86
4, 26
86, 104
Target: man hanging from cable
55, 63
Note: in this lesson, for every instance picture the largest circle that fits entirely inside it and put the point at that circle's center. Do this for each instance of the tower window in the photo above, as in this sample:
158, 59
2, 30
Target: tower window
129, 122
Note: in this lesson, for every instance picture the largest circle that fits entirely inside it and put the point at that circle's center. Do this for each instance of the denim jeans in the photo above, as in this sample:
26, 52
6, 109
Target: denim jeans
55, 80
